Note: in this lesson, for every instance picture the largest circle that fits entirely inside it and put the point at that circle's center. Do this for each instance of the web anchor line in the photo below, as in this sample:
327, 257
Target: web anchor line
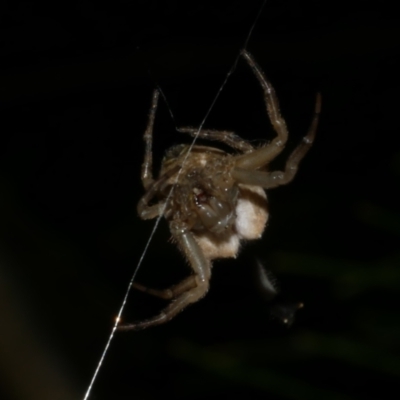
124, 301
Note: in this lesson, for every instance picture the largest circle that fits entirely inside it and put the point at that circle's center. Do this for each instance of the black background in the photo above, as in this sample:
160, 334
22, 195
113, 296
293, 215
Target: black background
75, 88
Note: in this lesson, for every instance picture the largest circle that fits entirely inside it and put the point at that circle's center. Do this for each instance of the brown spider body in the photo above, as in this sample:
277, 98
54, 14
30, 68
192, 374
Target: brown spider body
212, 199
219, 211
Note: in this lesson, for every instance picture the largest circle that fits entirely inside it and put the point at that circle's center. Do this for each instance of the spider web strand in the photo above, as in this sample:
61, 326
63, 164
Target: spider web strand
157, 222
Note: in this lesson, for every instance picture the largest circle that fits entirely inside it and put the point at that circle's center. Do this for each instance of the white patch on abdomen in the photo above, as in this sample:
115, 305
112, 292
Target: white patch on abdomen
251, 212
251, 218
214, 247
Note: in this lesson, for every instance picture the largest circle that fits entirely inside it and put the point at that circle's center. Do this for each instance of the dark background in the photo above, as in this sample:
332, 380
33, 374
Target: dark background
75, 87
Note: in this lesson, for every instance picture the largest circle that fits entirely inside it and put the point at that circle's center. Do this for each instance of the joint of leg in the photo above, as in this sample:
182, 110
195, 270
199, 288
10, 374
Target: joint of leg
277, 175
201, 281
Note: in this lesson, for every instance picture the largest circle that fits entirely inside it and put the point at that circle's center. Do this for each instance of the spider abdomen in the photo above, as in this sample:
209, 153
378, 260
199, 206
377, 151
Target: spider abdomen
248, 220
251, 212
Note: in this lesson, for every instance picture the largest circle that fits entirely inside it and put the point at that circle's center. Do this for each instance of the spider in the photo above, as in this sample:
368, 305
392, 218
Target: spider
217, 198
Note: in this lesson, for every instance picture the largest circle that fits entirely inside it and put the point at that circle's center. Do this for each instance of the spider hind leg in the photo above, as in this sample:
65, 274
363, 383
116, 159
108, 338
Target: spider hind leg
188, 291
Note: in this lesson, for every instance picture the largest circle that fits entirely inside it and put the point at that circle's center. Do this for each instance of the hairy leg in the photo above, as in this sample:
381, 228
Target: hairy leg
269, 180
148, 212
227, 137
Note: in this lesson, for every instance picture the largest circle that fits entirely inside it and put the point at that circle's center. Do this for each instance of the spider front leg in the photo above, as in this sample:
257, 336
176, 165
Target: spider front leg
149, 212
269, 180
227, 137
146, 211
264, 155
190, 290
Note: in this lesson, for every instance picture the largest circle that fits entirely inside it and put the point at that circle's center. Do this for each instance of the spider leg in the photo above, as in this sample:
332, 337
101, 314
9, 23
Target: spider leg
227, 137
264, 155
202, 272
269, 180
170, 293
148, 212
147, 174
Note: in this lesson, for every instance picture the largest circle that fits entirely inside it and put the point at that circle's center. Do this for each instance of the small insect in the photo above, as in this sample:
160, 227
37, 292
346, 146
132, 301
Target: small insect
217, 198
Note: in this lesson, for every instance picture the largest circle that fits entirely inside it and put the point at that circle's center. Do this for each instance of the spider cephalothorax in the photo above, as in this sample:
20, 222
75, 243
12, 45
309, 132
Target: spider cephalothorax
212, 199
